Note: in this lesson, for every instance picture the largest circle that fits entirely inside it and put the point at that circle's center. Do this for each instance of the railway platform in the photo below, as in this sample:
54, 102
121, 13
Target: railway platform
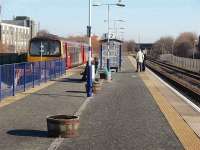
134, 111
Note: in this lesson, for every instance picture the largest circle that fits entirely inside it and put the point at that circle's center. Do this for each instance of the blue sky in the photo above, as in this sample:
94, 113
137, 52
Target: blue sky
146, 20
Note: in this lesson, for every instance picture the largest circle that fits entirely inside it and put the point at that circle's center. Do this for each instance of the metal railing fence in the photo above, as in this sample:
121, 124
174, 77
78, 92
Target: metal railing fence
16, 78
186, 63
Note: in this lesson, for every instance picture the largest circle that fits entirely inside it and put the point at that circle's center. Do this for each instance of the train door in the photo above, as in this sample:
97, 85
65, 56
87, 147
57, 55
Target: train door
82, 54
68, 56
66, 53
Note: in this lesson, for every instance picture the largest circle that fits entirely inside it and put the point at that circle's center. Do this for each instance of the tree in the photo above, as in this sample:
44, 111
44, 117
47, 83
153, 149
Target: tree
84, 39
45, 33
163, 46
130, 46
185, 44
96, 45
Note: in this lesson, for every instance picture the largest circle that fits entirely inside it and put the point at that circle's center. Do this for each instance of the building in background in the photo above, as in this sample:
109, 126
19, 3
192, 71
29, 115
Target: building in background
16, 33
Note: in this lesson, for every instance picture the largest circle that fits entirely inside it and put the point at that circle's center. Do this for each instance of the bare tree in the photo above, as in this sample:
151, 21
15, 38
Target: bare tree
185, 44
45, 33
163, 46
84, 39
77, 38
130, 46
42, 33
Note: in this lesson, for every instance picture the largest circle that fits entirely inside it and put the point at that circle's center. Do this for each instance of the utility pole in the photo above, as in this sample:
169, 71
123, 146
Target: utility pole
89, 72
108, 59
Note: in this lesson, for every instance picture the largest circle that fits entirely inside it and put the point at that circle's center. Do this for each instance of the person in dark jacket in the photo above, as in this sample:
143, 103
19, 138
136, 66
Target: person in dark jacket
96, 63
84, 77
144, 61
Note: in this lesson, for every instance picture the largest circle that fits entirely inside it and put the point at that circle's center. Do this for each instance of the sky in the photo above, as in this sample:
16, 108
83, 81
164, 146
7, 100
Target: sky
145, 20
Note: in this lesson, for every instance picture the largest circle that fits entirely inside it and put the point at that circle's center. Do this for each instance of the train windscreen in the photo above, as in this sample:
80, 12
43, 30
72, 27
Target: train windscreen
45, 48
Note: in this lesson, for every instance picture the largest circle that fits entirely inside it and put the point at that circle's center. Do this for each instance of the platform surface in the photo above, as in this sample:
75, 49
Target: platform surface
123, 115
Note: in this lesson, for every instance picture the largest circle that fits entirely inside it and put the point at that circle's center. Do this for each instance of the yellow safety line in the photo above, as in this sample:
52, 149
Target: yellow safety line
20, 96
182, 130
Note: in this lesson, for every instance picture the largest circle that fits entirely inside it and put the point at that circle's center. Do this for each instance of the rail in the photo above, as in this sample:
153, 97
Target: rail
189, 81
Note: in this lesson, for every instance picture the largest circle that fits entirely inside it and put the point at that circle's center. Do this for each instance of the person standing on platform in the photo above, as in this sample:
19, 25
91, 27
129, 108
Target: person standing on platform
96, 63
143, 64
139, 59
84, 77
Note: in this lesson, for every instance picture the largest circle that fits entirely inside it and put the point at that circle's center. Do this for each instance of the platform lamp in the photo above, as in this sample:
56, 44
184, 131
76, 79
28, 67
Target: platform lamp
89, 71
119, 4
115, 27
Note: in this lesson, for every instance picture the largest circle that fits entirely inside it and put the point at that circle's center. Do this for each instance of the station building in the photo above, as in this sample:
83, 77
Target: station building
16, 33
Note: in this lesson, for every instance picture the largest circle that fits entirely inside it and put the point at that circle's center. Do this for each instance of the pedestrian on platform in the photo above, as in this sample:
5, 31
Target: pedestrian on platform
139, 59
96, 63
144, 61
84, 77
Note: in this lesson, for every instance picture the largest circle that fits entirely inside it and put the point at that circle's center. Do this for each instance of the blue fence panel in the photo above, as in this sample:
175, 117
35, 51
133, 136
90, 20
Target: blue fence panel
43, 71
37, 73
29, 75
19, 77
0, 84
7, 79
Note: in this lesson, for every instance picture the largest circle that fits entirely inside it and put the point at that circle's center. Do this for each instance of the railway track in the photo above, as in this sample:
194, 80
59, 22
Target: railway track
187, 82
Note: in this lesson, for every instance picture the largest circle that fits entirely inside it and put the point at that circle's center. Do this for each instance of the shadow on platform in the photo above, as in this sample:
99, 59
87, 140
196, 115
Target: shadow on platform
70, 80
126, 72
59, 95
75, 91
29, 133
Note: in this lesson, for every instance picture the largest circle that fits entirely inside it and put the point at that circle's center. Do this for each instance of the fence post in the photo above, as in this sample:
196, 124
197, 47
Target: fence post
24, 76
54, 61
40, 72
50, 70
45, 71
33, 76
13, 67
120, 56
0, 84
60, 66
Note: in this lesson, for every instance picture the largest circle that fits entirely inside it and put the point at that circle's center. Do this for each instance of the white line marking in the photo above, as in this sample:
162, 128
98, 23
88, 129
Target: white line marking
134, 76
58, 141
177, 93
83, 106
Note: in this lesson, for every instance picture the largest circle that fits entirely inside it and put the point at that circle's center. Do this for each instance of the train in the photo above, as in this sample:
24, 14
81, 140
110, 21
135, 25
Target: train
46, 48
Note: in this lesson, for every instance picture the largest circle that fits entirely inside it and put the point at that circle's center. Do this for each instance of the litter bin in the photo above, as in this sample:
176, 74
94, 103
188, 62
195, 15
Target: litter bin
65, 126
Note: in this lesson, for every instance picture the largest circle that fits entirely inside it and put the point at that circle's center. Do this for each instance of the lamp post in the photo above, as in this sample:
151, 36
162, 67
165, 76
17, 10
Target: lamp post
115, 27
108, 38
89, 72
122, 35
41, 50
